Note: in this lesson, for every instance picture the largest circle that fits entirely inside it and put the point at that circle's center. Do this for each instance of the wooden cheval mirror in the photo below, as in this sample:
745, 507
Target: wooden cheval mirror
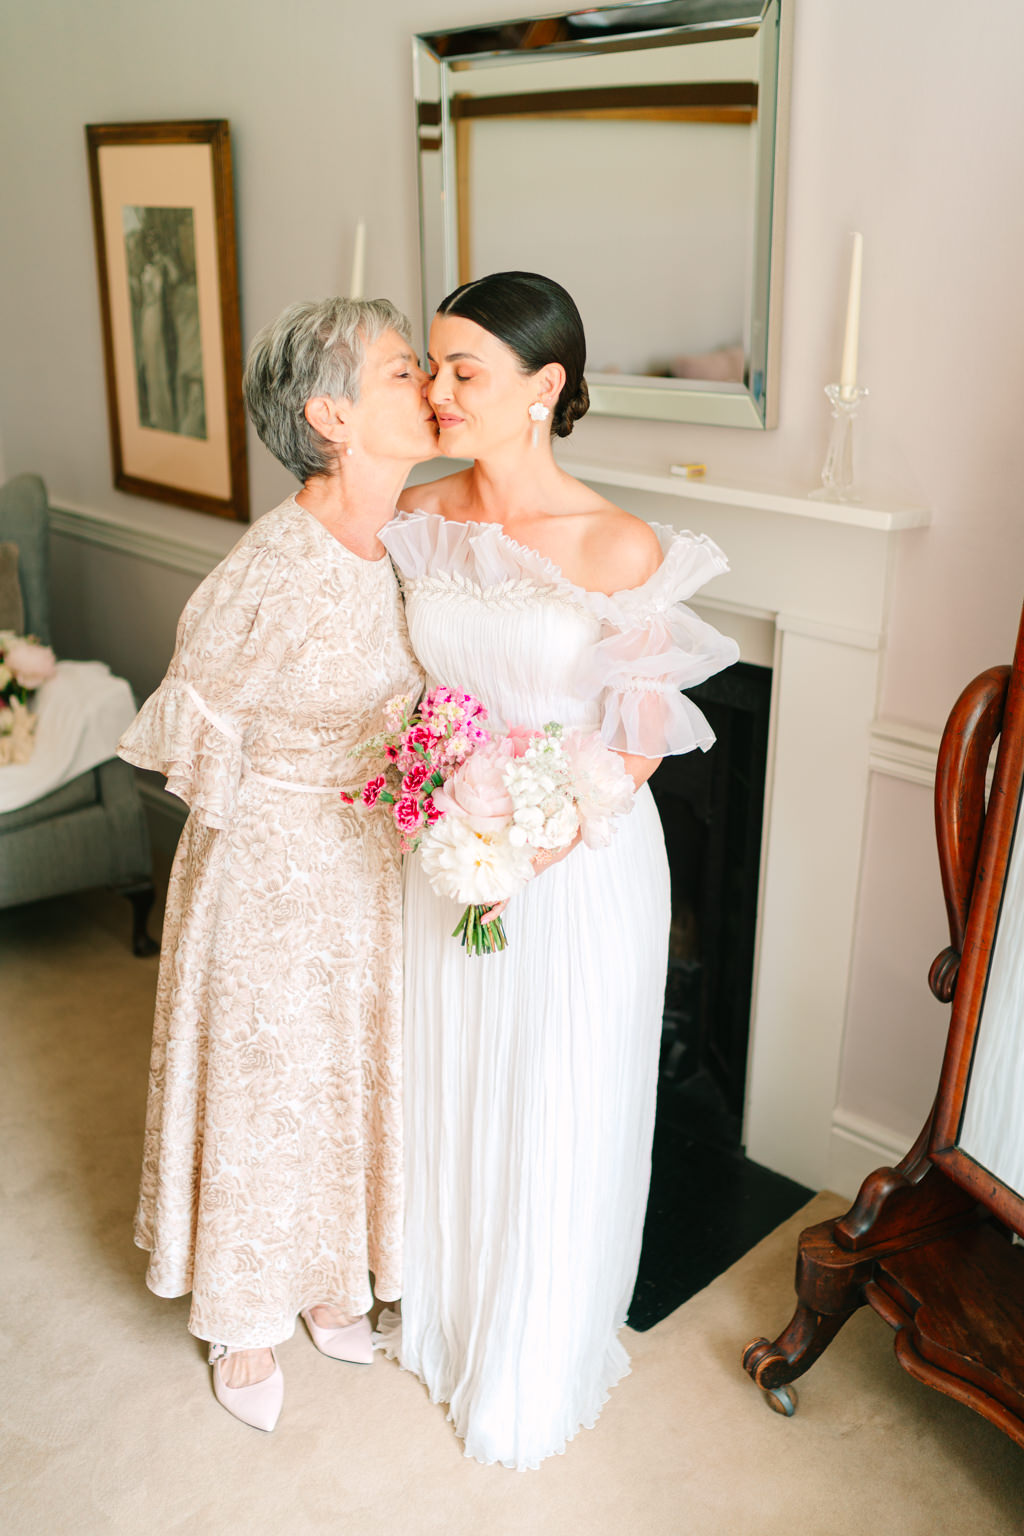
929, 1244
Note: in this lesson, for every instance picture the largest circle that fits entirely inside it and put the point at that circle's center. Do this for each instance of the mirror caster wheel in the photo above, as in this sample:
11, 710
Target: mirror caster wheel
781, 1400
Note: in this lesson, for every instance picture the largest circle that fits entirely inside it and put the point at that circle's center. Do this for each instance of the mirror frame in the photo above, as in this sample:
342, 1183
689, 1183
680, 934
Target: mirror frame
1003, 823
638, 24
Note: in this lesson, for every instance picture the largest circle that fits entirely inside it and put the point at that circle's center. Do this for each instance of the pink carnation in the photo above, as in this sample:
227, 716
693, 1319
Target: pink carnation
415, 779
420, 736
407, 814
371, 791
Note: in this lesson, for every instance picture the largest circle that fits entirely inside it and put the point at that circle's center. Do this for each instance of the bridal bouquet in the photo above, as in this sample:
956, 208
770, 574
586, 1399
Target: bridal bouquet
481, 807
24, 666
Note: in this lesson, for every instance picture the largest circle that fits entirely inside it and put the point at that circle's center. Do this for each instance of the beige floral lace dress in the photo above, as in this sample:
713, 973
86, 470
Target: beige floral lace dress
272, 1168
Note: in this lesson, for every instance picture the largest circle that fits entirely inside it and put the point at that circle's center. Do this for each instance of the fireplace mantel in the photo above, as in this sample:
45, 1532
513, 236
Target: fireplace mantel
817, 577
875, 514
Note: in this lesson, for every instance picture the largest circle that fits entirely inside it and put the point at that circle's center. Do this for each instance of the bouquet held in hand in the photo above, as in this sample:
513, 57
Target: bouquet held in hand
480, 807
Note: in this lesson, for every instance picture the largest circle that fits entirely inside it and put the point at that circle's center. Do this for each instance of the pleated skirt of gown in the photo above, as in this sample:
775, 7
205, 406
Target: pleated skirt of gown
530, 1096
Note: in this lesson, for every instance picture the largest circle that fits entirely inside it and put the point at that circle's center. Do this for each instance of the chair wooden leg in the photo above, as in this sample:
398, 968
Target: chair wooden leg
141, 898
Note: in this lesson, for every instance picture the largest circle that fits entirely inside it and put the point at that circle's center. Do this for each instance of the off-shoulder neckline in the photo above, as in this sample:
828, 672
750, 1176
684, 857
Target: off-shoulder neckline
544, 563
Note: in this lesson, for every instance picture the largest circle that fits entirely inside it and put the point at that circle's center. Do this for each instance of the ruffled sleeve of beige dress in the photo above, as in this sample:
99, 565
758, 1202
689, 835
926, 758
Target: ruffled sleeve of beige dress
272, 1166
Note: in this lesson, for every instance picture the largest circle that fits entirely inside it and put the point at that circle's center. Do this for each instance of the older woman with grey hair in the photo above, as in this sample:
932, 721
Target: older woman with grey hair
271, 1183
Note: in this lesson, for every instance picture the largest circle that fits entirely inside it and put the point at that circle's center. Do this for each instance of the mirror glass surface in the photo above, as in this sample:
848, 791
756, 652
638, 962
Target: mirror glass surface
629, 153
992, 1126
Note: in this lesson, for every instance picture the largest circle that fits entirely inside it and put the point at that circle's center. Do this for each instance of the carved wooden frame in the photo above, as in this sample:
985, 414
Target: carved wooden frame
220, 484
1001, 825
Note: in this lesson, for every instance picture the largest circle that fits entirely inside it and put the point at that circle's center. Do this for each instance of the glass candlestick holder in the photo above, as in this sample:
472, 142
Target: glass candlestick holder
837, 471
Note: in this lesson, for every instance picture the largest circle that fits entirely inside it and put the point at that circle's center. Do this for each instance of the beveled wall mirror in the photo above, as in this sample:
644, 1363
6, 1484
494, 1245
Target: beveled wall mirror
635, 153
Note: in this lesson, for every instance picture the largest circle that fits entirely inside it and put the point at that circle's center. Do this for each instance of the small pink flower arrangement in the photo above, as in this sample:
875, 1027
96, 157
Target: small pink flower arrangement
481, 807
418, 751
25, 666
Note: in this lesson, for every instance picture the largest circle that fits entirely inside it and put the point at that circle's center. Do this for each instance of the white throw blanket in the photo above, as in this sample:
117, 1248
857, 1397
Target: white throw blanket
82, 713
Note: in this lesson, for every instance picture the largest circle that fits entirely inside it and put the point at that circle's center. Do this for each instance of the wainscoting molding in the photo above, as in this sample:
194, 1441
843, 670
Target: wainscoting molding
108, 531
904, 752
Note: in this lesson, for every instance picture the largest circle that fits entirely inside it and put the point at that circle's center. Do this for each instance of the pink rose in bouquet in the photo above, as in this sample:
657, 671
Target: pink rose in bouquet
31, 664
477, 790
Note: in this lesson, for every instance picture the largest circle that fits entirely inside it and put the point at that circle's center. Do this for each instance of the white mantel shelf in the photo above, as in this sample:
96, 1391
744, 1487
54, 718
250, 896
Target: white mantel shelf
877, 516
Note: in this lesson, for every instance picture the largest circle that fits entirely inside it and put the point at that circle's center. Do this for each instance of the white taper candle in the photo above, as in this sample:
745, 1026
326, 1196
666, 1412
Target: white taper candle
356, 286
848, 371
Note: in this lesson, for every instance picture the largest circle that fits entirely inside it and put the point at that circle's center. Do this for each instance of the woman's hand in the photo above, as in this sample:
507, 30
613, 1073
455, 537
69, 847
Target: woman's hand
639, 768
541, 860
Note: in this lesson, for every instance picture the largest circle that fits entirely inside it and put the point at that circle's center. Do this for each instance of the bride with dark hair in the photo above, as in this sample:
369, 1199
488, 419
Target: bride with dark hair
531, 1074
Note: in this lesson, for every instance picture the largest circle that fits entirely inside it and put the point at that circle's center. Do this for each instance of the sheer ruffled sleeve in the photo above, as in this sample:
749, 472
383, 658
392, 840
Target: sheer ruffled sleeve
651, 647
233, 638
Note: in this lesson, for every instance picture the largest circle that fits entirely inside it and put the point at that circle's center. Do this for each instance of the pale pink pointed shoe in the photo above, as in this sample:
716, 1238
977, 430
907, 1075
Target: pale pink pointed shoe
258, 1405
353, 1343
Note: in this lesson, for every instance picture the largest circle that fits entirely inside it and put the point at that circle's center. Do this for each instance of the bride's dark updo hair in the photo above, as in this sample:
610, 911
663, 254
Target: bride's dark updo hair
539, 323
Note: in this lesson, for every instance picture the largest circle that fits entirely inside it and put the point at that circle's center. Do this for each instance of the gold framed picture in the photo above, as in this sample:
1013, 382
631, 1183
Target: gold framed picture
163, 212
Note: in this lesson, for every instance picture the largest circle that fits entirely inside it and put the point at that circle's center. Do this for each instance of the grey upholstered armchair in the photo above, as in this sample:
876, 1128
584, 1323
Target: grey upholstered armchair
91, 831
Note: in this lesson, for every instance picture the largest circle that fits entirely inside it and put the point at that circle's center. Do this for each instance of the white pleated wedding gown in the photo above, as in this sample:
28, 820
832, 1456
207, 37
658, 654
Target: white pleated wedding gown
530, 1076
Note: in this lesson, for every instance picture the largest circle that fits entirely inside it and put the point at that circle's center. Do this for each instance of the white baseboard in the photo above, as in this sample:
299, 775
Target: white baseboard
857, 1146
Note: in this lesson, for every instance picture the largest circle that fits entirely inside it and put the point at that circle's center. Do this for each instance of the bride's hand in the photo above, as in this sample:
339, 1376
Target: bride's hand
540, 861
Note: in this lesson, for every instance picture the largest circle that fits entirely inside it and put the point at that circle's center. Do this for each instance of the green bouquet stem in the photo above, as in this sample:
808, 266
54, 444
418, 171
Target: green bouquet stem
478, 937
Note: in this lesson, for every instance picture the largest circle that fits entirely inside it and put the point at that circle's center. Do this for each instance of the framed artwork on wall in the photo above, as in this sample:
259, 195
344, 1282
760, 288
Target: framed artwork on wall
163, 213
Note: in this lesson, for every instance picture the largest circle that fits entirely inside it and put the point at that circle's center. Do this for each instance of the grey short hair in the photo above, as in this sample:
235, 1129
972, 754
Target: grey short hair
311, 349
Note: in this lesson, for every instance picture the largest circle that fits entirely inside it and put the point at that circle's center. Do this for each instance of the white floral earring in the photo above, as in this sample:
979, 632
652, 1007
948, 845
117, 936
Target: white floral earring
538, 413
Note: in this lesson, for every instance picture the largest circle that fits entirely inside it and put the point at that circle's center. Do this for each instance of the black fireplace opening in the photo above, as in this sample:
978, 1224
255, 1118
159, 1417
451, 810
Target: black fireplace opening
709, 1203
711, 807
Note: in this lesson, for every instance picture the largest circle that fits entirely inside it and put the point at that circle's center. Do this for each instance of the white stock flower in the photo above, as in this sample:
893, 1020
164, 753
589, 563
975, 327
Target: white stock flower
561, 828
540, 785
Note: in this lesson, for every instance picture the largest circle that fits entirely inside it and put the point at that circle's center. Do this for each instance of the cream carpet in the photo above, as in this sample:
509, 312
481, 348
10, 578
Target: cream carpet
109, 1423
